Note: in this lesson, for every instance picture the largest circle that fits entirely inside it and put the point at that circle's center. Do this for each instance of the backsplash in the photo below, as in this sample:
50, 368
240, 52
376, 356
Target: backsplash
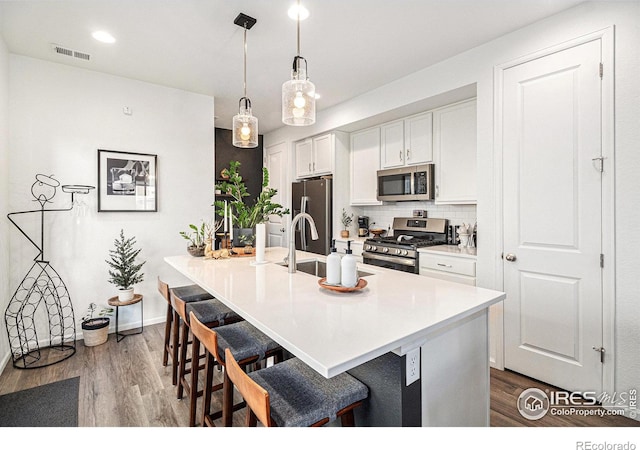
383, 215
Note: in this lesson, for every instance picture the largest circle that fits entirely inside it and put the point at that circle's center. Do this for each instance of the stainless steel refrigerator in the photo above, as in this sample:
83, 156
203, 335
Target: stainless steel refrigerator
313, 197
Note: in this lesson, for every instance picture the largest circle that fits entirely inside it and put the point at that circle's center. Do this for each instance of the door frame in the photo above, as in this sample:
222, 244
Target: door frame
287, 182
606, 37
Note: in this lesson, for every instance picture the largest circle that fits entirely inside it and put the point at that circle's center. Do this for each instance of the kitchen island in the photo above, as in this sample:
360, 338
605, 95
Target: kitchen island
441, 326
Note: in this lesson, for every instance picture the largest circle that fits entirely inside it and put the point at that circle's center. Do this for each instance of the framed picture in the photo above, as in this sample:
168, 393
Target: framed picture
127, 182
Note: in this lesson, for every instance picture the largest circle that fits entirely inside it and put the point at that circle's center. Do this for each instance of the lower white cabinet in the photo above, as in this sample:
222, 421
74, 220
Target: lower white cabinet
447, 266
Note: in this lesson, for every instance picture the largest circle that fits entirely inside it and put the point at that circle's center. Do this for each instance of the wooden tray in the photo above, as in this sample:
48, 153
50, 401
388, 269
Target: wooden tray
238, 252
362, 283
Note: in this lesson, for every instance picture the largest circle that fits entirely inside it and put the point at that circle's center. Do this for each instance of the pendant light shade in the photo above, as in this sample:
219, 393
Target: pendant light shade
245, 125
299, 94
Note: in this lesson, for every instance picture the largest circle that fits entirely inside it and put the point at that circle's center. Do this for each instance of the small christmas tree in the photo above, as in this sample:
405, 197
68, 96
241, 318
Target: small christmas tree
125, 271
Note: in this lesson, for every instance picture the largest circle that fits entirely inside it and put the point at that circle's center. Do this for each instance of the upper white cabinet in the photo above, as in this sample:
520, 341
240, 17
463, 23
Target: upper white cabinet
303, 151
454, 150
364, 164
315, 156
406, 142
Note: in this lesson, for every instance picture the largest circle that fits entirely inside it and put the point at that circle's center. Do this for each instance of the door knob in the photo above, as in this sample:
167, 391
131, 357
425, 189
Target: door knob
510, 257
281, 230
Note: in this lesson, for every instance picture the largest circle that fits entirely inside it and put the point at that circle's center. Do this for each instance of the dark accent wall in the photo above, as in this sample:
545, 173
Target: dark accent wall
390, 403
250, 161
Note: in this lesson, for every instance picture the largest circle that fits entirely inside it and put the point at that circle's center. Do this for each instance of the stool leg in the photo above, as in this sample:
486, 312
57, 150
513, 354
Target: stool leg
193, 390
251, 420
208, 387
167, 336
348, 419
184, 338
175, 347
227, 401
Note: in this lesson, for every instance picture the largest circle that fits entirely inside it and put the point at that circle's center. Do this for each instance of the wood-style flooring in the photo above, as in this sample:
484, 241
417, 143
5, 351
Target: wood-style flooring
123, 384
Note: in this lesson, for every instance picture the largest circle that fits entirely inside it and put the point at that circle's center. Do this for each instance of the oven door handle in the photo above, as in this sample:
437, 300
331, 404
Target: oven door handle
394, 259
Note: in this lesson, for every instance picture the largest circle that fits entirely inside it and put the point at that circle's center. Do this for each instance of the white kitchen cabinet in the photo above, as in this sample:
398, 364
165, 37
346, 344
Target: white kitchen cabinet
454, 149
315, 156
447, 264
407, 142
303, 154
392, 144
363, 167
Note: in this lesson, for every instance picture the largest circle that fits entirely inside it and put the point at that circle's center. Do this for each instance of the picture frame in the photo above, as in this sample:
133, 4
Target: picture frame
127, 181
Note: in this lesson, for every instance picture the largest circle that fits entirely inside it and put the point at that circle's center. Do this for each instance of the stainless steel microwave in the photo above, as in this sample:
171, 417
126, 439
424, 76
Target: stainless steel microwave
406, 183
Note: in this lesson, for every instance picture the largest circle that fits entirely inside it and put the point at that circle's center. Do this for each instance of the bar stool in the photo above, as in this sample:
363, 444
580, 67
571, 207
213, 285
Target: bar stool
248, 345
190, 293
292, 394
211, 312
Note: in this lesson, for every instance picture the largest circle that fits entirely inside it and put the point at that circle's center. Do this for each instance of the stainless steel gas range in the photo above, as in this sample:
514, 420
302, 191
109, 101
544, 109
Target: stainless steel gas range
400, 251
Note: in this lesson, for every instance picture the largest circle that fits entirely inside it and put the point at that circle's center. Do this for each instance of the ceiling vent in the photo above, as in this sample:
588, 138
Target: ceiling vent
69, 52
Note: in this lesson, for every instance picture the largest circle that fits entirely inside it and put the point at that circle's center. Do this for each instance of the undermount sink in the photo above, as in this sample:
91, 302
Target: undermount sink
317, 268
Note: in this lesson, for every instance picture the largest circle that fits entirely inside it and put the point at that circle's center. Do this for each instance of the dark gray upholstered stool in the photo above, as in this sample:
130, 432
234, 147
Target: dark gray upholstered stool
212, 313
190, 293
248, 345
291, 394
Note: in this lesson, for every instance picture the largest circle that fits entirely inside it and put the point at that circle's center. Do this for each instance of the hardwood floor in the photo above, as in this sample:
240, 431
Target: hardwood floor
125, 385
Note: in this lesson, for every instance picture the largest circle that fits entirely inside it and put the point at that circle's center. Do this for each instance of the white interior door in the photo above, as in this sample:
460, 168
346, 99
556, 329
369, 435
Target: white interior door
551, 131
276, 163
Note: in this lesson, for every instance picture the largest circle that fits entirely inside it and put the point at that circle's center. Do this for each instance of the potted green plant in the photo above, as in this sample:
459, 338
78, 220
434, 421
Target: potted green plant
197, 237
247, 217
125, 272
346, 222
95, 330
247, 241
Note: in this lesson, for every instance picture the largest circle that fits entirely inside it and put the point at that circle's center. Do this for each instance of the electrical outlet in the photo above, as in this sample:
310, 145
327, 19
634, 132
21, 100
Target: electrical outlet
413, 365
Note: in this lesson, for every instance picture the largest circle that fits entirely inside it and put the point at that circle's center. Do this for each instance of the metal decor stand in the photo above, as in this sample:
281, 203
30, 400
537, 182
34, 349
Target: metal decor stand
42, 284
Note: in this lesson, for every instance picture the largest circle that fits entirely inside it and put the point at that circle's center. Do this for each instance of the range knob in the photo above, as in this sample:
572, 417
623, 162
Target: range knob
398, 251
367, 247
385, 250
405, 252
374, 248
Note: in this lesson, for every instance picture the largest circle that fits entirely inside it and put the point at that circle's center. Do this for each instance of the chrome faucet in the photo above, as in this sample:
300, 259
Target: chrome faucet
292, 238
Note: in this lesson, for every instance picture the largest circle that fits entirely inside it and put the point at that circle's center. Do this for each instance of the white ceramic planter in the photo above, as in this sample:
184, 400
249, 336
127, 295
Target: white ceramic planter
124, 295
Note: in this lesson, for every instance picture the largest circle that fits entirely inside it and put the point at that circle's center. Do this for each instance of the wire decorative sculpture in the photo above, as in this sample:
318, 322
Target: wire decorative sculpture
42, 284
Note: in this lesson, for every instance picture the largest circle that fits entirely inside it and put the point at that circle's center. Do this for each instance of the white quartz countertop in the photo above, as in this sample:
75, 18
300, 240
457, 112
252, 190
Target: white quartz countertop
334, 332
452, 250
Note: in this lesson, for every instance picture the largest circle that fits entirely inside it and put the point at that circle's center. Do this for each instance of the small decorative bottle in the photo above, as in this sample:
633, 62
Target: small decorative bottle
349, 272
333, 265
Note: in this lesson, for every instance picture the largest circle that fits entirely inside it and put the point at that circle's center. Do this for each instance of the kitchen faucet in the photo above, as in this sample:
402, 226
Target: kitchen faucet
292, 238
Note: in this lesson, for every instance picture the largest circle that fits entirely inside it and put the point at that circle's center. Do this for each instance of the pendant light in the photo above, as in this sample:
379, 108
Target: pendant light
299, 94
245, 125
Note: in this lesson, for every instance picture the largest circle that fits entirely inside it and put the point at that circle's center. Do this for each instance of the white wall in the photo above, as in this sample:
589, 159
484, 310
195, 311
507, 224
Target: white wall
59, 117
4, 194
476, 66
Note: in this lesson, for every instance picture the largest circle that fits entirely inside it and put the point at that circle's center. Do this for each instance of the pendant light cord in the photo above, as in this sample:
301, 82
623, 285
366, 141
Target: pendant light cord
298, 21
245, 60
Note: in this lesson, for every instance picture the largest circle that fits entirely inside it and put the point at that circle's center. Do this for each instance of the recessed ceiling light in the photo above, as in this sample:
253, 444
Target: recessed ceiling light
103, 36
294, 11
